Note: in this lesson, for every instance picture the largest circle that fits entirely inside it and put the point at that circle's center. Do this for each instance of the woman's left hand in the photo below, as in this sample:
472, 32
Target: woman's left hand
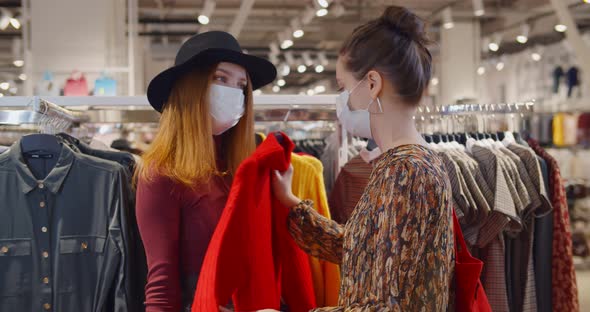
282, 188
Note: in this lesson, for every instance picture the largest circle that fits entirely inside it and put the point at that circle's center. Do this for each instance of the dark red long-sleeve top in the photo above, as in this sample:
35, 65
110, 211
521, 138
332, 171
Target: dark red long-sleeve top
176, 224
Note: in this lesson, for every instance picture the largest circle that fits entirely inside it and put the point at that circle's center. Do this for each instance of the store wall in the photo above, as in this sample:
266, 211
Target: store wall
84, 35
460, 54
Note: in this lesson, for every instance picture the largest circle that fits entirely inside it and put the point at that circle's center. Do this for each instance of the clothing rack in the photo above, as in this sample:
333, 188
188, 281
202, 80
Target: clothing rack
38, 111
136, 109
470, 109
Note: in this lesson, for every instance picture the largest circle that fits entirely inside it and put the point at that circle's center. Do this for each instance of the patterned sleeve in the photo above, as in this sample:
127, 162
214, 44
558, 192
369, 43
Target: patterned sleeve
316, 235
401, 248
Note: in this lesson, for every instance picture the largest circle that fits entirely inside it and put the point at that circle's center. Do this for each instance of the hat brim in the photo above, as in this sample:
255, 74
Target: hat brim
261, 72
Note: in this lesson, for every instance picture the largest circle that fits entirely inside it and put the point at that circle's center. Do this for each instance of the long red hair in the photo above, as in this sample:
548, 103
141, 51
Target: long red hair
184, 148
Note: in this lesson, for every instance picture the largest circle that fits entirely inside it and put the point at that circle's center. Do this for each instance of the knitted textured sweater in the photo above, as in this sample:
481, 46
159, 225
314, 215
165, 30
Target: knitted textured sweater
251, 257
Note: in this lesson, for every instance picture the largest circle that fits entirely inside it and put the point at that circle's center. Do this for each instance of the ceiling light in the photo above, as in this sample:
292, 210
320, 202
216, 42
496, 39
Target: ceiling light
478, 8
524, 34
447, 18
281, 82
203, 19
276, 89
1, 95
310, 92
481, 70
319, 89
301, 68
323, 3
13, 90
257, 92
19, 63
500, 66
560, 28
494, 44
287, 43
285, 39
4, 18
5, 86
297, 28
22, 77
536, 56
319, 68
285, 70
207, 11
321, 12
298, 33
434, 81
15, 23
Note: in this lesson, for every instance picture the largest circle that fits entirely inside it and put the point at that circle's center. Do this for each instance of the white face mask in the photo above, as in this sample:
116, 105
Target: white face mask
226, 106
358, 122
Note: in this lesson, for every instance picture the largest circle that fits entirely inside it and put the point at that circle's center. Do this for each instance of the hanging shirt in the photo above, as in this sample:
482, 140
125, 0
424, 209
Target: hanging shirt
572, 80
404, 217
137, 265
349, 187
544, 251
564, 286
557, 75
559, 130
63, 238
584, 130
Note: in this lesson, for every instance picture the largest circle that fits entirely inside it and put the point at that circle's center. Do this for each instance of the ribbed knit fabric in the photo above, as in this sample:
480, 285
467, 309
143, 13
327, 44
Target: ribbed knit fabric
308, 182
251, 255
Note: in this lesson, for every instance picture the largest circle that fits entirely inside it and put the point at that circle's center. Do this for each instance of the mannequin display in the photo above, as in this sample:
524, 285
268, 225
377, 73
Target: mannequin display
184, 180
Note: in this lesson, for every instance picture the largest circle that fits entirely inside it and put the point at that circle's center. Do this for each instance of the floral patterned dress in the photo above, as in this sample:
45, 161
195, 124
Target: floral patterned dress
396, 251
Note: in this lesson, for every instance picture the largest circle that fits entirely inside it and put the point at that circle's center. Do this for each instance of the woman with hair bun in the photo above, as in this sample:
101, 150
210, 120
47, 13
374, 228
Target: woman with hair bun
396, 251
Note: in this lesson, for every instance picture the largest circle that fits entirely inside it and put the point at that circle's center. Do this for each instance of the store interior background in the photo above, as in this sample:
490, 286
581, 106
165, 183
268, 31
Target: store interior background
486, 51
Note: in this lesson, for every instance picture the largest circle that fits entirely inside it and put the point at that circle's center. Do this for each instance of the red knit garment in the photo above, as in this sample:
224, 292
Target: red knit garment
251, 257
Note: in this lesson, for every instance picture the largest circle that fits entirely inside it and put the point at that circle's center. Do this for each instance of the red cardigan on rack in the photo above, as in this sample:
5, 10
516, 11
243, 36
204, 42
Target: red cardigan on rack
251, 255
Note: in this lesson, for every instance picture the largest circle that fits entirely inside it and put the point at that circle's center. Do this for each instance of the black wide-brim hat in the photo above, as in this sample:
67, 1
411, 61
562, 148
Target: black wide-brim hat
205, 49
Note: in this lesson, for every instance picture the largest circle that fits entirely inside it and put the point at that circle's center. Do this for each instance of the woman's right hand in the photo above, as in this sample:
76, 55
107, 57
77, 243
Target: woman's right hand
282, 188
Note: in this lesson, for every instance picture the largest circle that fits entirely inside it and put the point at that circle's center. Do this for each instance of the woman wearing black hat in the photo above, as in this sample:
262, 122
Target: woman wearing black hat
206, 130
